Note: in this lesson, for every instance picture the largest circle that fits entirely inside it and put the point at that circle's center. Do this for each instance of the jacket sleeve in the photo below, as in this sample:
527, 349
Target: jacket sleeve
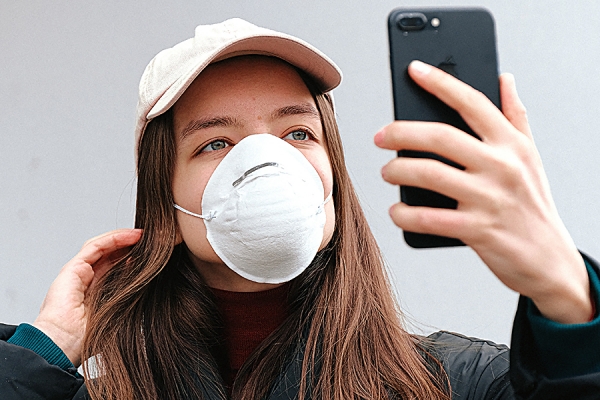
477, 369
554, 361
26, 375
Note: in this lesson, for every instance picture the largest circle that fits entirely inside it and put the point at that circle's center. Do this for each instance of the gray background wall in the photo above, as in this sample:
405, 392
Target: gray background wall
69, 72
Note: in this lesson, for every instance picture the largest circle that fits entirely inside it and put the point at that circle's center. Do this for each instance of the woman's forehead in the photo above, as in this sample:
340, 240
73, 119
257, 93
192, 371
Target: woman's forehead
241, 82
250, 71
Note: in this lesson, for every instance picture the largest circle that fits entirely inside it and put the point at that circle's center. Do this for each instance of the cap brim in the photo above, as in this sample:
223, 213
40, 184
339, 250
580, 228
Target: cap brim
301, 55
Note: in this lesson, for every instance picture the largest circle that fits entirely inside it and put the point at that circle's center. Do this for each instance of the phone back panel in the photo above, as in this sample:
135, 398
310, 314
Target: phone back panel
464, 45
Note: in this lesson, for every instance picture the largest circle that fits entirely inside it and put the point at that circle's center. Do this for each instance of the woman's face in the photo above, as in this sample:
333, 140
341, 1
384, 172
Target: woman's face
229, 101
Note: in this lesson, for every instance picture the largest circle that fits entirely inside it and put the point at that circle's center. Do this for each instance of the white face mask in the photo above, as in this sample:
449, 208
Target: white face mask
263, 209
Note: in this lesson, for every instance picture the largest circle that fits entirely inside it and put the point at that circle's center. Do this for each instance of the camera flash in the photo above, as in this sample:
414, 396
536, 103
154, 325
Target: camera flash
435, 22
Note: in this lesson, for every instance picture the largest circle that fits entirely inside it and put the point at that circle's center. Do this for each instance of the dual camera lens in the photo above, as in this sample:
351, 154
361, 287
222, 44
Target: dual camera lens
415, 21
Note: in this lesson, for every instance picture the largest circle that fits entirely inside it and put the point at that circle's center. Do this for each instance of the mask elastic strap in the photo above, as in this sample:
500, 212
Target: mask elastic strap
212, 214
322, 206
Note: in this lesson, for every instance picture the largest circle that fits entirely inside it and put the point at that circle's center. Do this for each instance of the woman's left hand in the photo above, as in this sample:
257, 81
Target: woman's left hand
505, 208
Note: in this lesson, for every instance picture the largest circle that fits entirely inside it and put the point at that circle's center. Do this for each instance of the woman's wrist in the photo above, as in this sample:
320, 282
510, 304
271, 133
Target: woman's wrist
62, 339
30, 337
567, 299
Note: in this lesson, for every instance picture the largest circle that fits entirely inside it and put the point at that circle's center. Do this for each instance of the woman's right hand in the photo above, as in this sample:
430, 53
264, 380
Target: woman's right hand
63, 314
505, 208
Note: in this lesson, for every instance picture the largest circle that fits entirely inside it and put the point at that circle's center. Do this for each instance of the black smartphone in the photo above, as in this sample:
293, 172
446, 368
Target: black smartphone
460, 41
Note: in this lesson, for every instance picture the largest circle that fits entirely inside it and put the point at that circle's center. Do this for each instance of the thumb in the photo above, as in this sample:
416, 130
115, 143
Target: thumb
512, 107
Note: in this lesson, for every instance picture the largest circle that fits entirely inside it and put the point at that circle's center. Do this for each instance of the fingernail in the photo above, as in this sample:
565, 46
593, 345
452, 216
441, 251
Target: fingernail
383, 172
379, 137
391, 210
419, 67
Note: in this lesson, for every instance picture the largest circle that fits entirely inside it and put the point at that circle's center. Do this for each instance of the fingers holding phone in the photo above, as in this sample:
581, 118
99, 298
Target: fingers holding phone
492, 170
505, 210
459, 96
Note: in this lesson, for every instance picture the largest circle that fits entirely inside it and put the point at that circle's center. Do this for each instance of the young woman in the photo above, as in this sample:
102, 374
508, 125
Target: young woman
252, 272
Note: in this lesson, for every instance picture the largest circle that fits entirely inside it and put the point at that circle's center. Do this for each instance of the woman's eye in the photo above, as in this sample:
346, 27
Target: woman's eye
297, 135
214, 145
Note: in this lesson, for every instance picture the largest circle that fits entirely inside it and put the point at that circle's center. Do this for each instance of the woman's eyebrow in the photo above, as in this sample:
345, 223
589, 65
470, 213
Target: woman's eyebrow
226, 121
209, 122
296, 109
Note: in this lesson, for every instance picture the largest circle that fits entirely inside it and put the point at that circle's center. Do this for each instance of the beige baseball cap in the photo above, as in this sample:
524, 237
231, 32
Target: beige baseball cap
173, 70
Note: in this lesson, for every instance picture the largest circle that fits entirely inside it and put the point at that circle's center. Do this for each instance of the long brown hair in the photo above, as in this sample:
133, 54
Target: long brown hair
152, 326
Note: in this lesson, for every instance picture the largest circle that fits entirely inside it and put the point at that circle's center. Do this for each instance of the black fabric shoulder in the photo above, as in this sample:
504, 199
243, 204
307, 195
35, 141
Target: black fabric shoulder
477, 369
26, 375
6, 331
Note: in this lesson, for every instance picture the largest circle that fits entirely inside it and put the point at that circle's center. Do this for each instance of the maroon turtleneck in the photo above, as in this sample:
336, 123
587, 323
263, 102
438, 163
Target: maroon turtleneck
248, 318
